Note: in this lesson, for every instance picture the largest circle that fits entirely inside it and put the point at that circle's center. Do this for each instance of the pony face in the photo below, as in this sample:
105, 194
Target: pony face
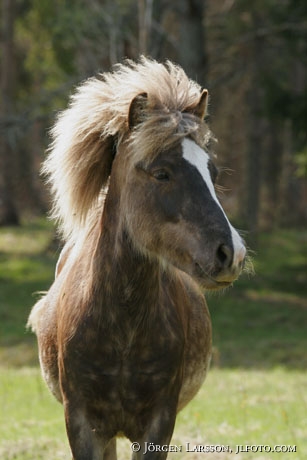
171, 212
141, 129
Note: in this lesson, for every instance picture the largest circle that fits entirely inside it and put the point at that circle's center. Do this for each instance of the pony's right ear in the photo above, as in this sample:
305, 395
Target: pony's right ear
137, 110
200, 109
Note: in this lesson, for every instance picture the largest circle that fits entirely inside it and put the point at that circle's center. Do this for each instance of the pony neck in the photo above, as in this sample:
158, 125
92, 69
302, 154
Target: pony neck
134, 279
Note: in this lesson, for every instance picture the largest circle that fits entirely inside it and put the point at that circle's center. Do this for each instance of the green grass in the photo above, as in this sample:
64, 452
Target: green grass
249, 407
26, 268
31, 420
255, 392
262, 321
233, 407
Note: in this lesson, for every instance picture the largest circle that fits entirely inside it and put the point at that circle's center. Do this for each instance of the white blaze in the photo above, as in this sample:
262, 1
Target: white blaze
197, 157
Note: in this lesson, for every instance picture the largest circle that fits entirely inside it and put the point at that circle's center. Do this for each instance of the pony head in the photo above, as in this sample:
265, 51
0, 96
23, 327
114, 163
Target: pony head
143, 126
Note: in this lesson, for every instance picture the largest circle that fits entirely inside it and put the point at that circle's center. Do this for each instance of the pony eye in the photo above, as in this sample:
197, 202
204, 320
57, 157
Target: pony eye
161, 175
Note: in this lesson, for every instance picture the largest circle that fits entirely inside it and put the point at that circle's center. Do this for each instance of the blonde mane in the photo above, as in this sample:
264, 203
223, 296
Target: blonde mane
81, 154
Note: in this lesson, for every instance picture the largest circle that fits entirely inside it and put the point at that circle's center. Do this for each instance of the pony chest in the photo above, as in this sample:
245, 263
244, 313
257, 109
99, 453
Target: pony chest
123, 360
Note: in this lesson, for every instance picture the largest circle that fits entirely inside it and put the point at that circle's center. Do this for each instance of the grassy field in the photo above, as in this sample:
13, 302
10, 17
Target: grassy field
255, 393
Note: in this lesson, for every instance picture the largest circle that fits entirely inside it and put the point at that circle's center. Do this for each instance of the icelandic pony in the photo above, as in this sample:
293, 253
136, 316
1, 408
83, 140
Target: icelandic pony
124, 333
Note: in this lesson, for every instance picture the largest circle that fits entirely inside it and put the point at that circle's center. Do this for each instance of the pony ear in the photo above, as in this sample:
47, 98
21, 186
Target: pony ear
137, 110
200, 109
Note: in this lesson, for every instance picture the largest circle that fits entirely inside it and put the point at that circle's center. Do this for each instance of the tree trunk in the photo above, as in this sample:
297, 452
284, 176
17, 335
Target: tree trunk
180, 36
255, 134
145, 21
272, 168
253, 166
8, 211
192, 50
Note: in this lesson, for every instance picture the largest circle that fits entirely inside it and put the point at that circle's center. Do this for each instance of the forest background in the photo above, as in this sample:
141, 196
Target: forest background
252, 56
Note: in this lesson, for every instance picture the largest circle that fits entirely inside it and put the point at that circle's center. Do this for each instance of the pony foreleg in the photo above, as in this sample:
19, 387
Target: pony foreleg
154, 443
110, 451
84, 442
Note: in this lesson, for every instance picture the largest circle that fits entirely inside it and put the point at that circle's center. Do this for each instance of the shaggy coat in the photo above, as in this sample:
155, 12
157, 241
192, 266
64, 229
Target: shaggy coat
124, 333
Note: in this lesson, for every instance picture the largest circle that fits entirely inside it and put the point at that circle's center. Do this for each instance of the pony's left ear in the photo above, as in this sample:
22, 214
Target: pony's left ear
200, 109
137, 110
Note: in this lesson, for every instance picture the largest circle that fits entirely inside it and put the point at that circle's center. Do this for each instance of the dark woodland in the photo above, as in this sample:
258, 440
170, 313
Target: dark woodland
252, 57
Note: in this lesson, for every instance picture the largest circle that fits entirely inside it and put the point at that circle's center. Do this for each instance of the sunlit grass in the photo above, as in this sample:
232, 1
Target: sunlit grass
28, 239
233, 407
255, 392
31, 420
250, 407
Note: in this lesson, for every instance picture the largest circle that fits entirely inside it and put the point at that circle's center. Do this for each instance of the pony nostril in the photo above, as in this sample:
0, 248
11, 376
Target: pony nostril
224, 255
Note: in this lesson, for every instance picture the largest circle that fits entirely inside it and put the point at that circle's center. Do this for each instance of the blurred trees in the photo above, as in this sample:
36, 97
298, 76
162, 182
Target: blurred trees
251, 55
8, 211
258, 69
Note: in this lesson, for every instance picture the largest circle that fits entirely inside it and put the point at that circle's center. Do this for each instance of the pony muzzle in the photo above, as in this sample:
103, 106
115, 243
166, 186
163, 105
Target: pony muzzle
227, 266
230, 262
